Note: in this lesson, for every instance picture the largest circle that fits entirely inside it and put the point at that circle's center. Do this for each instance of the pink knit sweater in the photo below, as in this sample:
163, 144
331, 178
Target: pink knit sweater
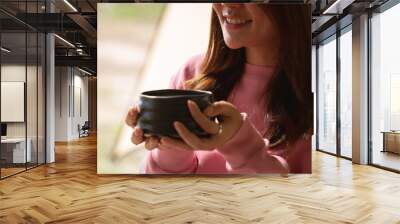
247, 151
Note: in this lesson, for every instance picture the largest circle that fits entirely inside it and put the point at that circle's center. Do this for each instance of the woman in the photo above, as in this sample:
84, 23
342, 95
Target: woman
258, 67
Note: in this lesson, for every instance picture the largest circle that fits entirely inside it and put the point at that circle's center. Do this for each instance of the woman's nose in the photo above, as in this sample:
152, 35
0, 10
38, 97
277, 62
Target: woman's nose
231, 5
228, 9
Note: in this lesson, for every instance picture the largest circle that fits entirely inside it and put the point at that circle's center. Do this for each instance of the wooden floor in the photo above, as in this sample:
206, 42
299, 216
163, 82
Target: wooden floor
5, 172
10, 171
387, 159
70, 191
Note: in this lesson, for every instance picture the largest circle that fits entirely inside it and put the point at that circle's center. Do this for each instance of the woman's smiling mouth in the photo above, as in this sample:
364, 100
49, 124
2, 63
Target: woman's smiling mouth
231, 19
235, 23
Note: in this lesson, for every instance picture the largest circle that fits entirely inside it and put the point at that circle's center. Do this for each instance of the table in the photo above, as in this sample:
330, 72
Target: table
391, 141
16, 147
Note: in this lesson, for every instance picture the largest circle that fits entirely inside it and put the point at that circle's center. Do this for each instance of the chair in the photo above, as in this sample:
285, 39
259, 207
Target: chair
84, 130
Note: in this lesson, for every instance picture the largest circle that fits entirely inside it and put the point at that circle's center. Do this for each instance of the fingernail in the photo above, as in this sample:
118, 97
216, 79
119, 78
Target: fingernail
176, 124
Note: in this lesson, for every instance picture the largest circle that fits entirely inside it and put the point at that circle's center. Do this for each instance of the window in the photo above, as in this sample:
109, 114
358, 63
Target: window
346, 93
22, 78
327, 95
385, 89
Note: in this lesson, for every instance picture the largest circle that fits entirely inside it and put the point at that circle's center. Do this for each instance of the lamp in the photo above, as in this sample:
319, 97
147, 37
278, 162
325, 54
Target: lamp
5, 50
64, 40
70, 5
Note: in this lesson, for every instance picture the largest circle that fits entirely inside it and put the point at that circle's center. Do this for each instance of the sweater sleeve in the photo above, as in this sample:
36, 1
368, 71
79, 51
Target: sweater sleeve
247, 152
163, 160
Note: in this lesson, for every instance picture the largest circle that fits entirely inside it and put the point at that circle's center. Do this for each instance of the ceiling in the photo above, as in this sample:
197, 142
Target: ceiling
74, 22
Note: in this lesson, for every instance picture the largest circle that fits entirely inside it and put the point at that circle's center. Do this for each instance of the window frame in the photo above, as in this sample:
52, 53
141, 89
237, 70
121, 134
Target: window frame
333, 37
378, 10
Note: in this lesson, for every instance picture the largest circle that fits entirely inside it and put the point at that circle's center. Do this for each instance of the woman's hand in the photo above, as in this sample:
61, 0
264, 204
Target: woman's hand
137, 135
220, 132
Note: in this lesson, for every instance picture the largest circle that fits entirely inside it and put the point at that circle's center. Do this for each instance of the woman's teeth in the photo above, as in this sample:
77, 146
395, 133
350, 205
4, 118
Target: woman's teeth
236, 21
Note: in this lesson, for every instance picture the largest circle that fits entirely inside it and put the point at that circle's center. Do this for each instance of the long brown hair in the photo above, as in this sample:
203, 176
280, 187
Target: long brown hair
288, 97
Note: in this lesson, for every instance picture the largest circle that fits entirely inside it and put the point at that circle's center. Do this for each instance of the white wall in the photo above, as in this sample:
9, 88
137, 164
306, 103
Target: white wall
70, 83
62, 81
82, 82
81, 100
16, 73
33, 127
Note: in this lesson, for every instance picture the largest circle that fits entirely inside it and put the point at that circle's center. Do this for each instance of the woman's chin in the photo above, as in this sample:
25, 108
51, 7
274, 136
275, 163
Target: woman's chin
232, 43
233, 46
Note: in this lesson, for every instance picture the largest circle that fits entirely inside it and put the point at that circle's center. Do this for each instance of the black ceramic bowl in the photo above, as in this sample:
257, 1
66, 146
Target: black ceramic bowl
160, 108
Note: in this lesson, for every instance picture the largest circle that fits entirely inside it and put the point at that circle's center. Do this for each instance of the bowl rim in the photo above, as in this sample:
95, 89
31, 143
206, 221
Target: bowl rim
201, 93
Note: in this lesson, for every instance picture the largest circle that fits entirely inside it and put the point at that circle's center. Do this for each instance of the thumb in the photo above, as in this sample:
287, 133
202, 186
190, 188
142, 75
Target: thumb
220, 108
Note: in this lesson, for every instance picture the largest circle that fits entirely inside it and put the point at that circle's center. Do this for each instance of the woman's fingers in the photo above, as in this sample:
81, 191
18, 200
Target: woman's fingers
151, 143
203, 121
191, 139
171, 143
131, 117
220, 108
137, 136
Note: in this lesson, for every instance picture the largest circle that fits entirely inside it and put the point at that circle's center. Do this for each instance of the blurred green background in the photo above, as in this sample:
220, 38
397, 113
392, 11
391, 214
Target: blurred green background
145, 12
125, 34
140, 46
